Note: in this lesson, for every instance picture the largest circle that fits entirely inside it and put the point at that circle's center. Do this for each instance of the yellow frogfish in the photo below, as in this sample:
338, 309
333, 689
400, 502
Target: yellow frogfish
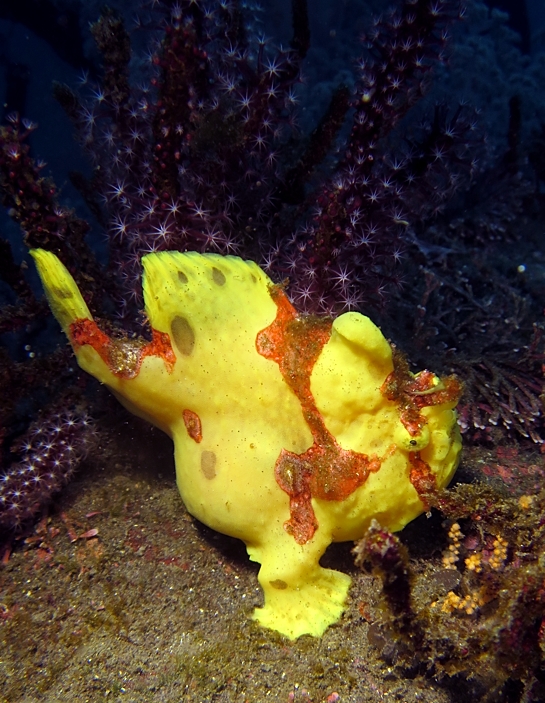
290, 431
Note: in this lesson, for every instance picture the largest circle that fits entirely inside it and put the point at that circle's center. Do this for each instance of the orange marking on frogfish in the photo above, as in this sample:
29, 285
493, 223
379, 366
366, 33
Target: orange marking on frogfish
193, 425
122, 356
324, 470
412, 393
422, 478
160, 346
88, 332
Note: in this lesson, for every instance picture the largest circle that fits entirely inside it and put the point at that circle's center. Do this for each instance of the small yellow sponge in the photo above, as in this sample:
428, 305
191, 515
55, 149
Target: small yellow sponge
290, 432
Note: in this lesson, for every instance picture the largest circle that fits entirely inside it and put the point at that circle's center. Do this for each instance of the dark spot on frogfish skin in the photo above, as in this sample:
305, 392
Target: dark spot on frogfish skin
183, 335
208, 464
64, 294
218, 276
193, 425
182, 277
279, 584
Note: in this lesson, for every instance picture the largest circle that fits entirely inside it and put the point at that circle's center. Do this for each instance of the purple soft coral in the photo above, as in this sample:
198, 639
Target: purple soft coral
201, 158
51, 450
